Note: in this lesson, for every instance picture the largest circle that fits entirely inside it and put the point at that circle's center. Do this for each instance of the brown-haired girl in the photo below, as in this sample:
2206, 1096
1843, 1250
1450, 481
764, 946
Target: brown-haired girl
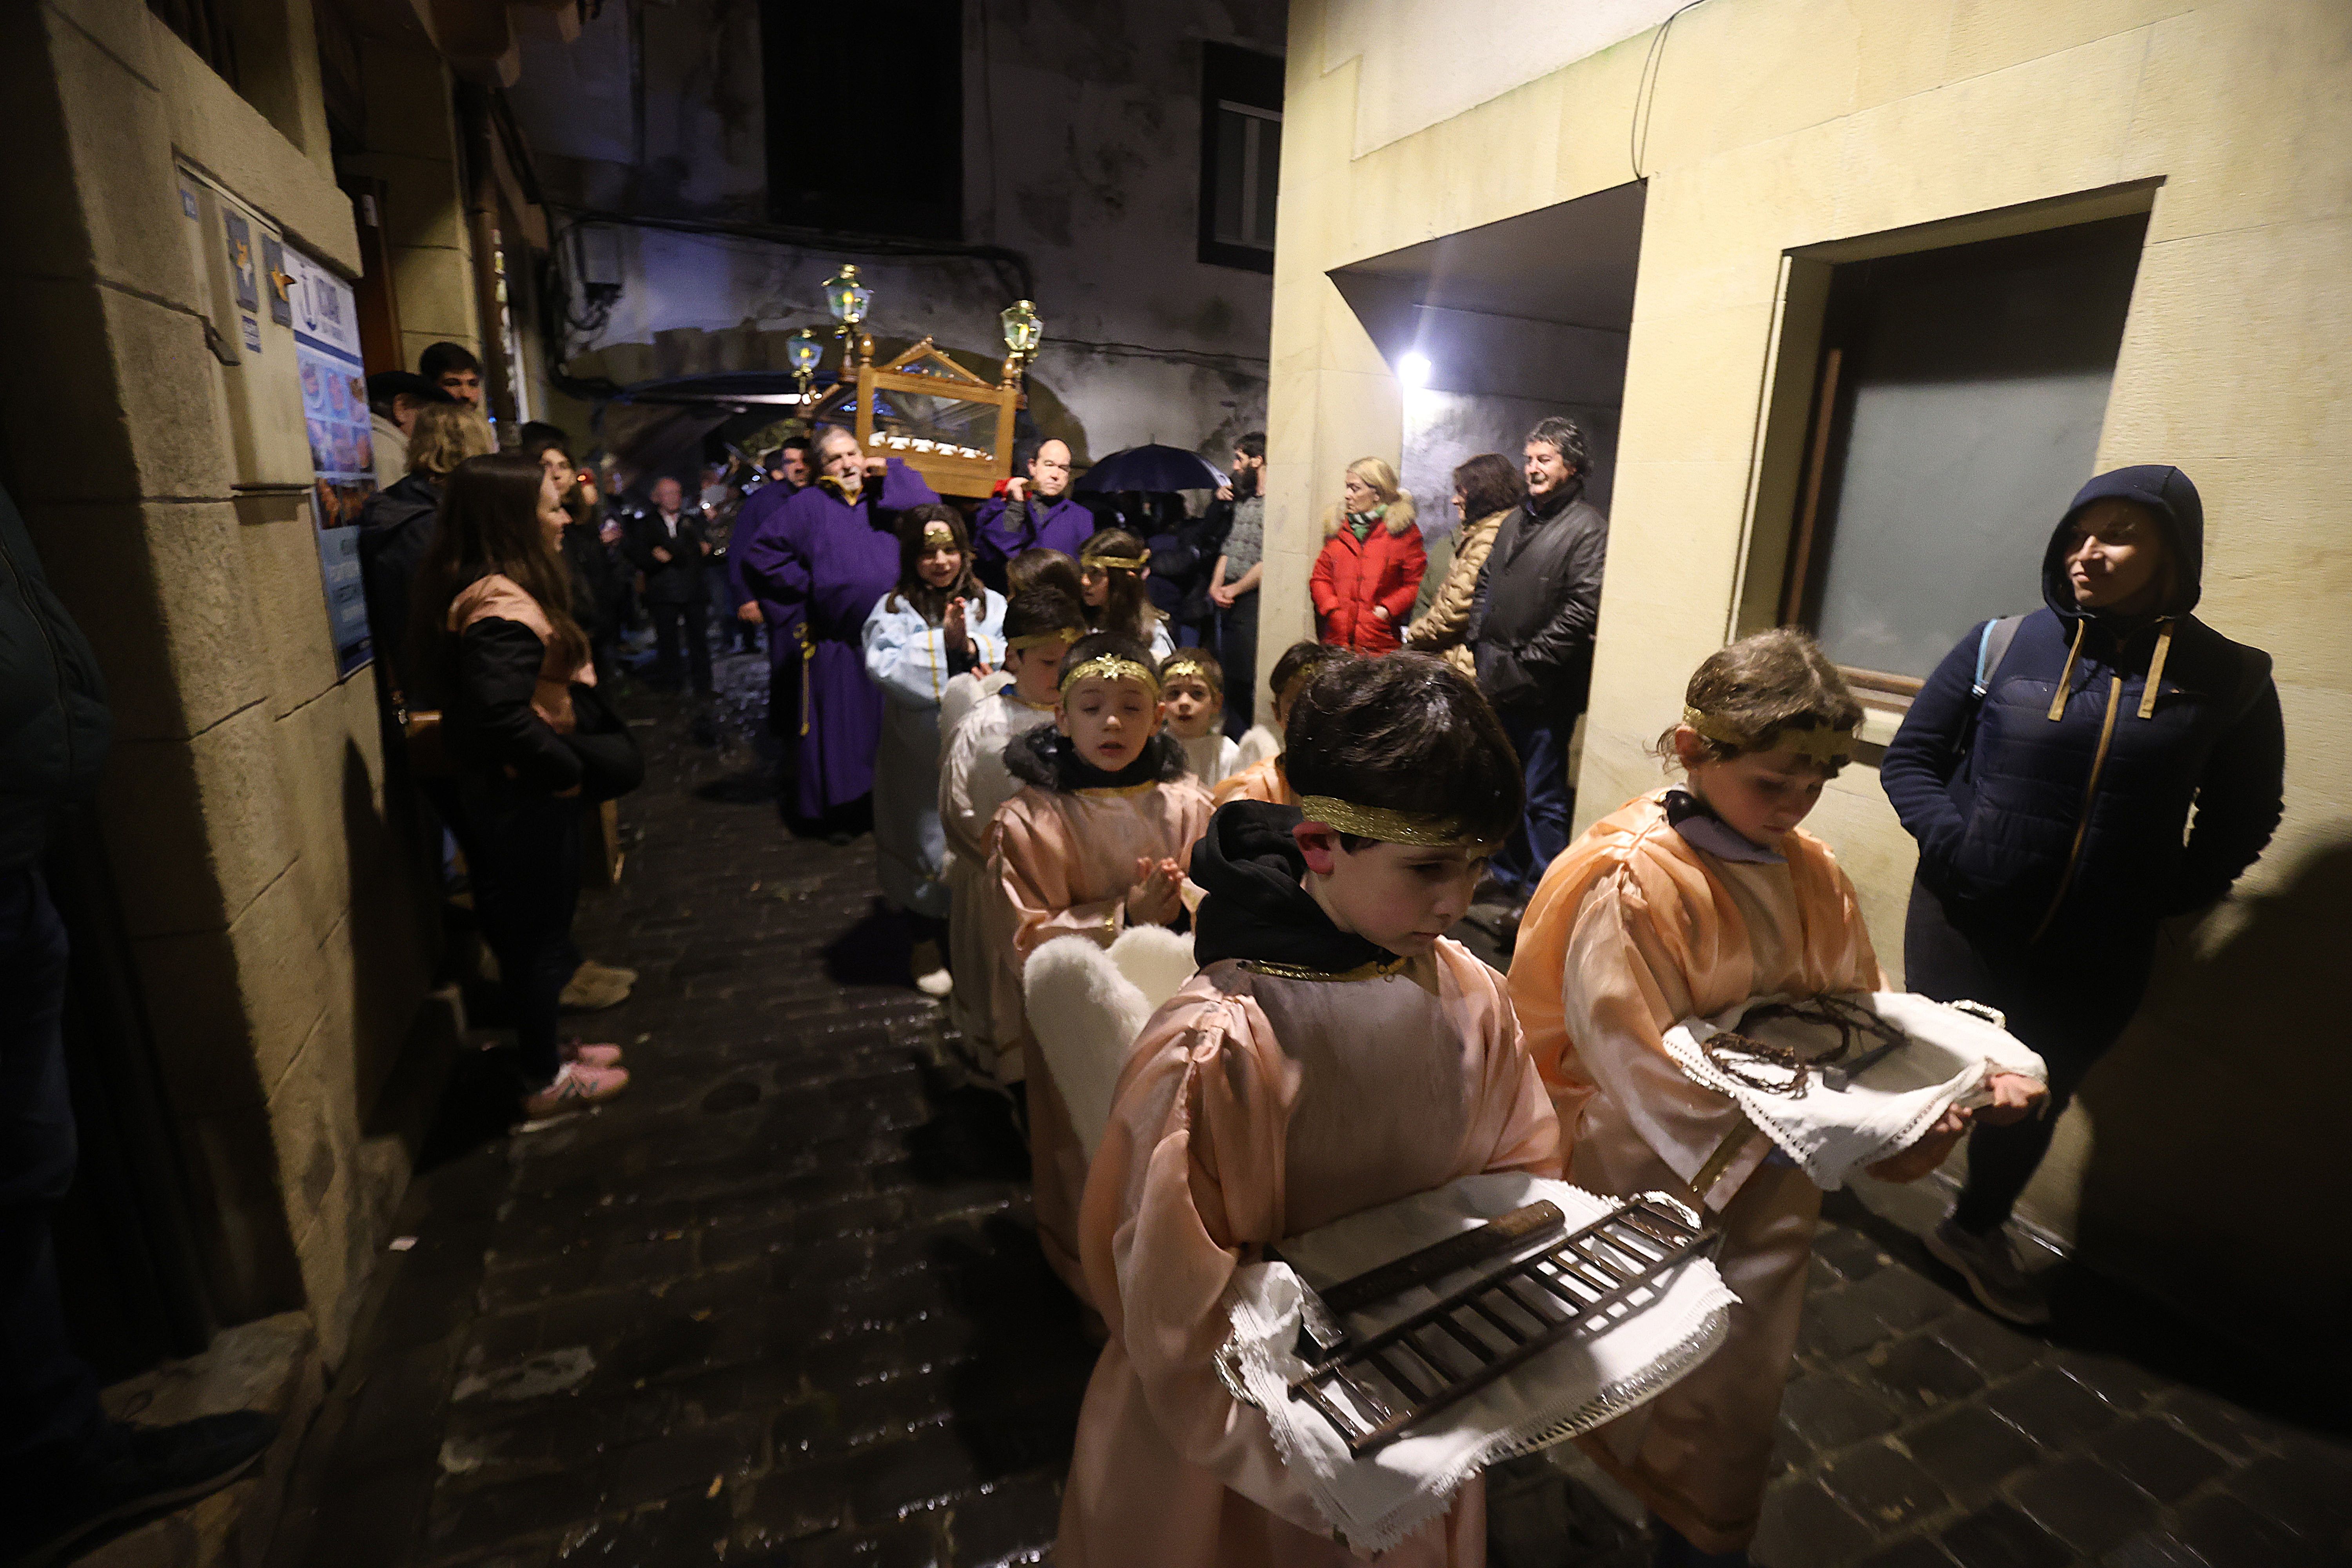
493, 648
1690, 901
1112, 566
937, 624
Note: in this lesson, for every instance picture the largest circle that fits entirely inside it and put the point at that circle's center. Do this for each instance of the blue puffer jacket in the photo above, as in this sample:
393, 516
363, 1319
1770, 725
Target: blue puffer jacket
2032, 829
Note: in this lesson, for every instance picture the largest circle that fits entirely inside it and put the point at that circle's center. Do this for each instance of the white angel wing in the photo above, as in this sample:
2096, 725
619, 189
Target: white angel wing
1087, 1005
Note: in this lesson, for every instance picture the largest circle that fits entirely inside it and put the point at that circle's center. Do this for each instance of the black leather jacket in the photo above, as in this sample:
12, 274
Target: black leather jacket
1537, 605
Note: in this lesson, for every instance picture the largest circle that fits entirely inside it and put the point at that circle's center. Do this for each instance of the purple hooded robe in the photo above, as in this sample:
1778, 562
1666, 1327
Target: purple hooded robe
1061, 523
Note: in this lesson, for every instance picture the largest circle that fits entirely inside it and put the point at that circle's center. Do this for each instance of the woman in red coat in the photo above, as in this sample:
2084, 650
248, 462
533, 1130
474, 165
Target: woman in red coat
1369, 574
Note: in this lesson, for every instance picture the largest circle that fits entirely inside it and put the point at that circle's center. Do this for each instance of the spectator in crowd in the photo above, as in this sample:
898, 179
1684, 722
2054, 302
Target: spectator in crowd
593, 599
1369, 573
1232, 582
2048, 769
1185, 549
789, 463
1487, 489
394, 398
665, 544
1035, 511
494, 650
396, 524
723, 504
71, 1475
453, 368
1530, 631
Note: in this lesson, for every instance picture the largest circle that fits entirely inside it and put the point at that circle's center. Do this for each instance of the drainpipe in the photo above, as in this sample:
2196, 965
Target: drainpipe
475, 132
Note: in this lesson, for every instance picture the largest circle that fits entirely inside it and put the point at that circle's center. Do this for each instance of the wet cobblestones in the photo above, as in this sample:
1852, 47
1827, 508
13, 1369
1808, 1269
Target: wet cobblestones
782, 1304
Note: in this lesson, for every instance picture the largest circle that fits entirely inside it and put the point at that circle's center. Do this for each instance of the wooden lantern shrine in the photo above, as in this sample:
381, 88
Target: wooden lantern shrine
946, 424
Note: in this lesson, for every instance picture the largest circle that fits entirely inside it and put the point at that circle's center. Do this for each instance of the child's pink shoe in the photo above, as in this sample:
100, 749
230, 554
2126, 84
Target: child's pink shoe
575, 1088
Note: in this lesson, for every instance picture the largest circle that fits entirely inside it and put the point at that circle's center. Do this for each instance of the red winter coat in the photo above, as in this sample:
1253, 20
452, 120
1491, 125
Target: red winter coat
1353, 575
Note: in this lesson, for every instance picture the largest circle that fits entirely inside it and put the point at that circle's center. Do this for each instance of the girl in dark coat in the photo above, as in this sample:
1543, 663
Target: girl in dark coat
2048, 769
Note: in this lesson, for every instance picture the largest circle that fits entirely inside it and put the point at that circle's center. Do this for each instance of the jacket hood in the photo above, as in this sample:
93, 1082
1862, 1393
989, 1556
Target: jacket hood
2169, 496
1043, 756
1399, 516
1250, 867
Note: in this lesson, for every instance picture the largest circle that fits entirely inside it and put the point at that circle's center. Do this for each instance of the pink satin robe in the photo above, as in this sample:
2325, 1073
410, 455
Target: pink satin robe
1256, 1107
1064, 862
1632, 929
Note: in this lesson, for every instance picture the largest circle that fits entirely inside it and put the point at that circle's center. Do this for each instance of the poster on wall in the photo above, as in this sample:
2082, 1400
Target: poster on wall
343, 455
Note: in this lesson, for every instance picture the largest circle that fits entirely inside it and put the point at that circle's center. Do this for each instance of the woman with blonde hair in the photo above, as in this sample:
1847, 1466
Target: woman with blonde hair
1369, 574
1487, 489
396, 524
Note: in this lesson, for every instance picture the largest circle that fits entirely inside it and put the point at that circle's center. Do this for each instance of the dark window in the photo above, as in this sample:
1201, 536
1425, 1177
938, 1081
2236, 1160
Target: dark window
865, 112
1241, 155
1957, 409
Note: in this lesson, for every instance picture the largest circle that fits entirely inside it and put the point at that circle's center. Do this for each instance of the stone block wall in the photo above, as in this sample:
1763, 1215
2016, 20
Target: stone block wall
269, 919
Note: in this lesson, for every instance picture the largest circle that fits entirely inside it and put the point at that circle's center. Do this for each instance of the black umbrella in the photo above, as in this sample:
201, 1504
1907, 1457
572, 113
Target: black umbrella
1152, 467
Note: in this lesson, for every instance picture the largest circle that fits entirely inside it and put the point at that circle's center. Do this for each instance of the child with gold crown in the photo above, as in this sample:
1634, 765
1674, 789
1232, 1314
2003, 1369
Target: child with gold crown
1336, 1052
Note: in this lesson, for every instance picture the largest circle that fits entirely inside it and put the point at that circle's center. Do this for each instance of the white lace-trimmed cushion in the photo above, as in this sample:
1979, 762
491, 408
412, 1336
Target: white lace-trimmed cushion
1831, 1134
1375, 1501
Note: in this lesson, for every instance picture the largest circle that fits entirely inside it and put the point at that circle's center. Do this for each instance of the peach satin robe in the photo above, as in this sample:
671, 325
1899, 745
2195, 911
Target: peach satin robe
1632, 929
1260, 781
1256, 1107
1064, 862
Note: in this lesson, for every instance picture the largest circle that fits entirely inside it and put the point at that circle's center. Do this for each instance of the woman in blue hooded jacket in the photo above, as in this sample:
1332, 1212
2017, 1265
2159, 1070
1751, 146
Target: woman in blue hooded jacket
2048, 769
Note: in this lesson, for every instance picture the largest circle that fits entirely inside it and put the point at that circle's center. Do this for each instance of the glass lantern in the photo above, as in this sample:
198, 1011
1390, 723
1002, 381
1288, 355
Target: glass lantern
845, 297
1023, 328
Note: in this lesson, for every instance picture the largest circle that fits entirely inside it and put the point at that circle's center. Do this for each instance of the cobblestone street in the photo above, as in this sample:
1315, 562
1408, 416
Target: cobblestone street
780, 1304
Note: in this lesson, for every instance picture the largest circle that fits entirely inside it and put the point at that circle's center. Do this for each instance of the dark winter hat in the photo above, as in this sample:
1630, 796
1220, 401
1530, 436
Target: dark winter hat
2168, 496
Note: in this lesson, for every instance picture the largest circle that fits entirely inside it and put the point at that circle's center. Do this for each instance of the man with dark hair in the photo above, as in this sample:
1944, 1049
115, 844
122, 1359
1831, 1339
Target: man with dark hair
453, 368
1530, 631
665, 542
1237, 521
1036, 512
394, 398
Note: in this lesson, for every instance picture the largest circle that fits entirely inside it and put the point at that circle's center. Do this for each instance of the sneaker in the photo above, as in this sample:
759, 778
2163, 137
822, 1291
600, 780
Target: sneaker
1989, 1263
612, 971
931, 977
591, 1056
593, 989
577, 1088
154, 1470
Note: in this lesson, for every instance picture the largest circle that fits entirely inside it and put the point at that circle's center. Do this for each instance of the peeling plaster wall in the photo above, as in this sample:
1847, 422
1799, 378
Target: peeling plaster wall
1082, 130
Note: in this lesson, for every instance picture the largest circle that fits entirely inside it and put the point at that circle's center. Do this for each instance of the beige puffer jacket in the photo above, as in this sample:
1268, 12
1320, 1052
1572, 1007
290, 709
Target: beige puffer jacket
1439, 631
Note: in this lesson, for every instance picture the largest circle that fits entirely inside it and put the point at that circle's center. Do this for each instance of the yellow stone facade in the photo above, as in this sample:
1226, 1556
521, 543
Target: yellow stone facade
1783, 131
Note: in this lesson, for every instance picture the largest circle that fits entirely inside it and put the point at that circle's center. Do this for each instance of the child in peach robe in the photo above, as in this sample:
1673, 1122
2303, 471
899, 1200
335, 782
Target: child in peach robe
1257, 759
1095, 840
1688, 902
1334, 1053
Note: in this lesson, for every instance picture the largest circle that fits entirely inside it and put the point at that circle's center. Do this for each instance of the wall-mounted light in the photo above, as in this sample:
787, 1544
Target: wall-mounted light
1413, 371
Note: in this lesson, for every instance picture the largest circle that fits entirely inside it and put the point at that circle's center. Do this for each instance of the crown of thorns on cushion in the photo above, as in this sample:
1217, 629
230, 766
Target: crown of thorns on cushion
1824, 742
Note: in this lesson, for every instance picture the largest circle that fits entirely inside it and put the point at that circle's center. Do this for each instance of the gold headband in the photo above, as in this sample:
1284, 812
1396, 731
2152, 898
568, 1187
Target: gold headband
1110, 667
938, 532
1123, 562
1039, 639
1822, 742
1390, 826
1184, 664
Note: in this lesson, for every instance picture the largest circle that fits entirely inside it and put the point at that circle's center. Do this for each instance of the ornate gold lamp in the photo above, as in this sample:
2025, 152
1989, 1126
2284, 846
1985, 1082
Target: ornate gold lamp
804, 351
1024, 330
847, 299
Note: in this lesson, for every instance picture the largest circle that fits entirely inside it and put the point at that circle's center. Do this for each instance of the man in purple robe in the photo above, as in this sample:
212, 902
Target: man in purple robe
1035, 513
816, 565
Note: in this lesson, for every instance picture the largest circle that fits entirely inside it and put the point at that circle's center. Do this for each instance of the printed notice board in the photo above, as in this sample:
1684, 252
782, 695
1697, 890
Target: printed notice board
343, 455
